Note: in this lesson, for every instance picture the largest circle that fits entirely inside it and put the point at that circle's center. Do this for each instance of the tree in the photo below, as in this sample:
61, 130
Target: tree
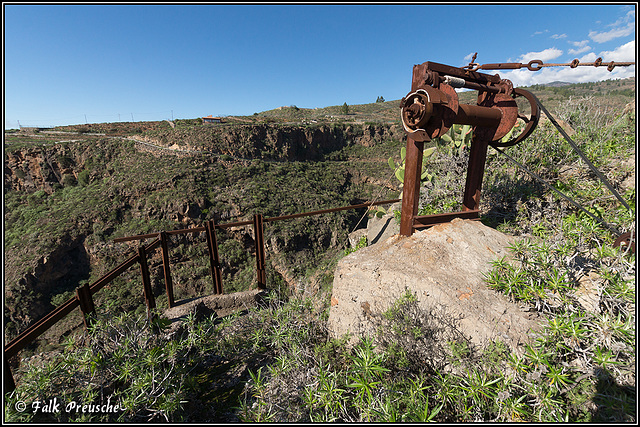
380, 99
345, 108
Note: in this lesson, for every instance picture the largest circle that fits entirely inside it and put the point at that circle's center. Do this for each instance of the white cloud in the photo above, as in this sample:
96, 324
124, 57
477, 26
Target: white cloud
559, 36
630, 17
621, 28
544, 55
469, 57
610, 35
537, 33
580, 44
579, 51
624, 53
590, 57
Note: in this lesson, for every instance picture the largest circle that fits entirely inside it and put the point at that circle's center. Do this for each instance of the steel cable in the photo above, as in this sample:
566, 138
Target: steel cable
564, 196
582, 155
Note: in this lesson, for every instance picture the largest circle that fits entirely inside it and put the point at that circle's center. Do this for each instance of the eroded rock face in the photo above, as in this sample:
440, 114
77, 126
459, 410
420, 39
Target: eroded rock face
443, 268
30, 170
27, 299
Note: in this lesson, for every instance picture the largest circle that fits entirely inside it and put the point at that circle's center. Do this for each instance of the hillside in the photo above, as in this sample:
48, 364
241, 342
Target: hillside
67, 201
70, 191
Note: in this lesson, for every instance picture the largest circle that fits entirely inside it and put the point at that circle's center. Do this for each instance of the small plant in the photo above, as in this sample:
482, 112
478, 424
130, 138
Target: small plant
456, 139
378, 212
144, 375
365, 375
398, 168
362, 243
83, 178
516, 129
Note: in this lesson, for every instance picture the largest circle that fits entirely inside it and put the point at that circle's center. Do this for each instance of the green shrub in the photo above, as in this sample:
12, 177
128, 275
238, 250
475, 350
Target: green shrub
83, 178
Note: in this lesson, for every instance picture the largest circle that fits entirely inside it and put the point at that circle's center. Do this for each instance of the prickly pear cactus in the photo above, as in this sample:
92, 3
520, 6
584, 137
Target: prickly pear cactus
457, 139
398, 168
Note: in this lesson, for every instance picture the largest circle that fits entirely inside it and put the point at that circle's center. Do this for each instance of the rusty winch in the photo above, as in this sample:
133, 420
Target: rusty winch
432, 108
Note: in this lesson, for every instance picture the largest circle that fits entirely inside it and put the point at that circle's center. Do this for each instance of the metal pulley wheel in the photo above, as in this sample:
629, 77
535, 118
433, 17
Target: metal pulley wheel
531, 121
416, 110
428, 112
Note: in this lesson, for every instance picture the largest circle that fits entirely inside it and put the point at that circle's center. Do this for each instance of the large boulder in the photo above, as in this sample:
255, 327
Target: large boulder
443, 268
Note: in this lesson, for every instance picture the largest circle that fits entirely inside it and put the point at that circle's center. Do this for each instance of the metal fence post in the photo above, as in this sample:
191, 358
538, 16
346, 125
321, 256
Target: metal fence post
83, 293
214, 257
146, 283
168, 282
258, 226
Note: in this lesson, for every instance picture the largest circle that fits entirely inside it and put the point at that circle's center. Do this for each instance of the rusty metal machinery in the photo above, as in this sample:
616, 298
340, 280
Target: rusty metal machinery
432, 107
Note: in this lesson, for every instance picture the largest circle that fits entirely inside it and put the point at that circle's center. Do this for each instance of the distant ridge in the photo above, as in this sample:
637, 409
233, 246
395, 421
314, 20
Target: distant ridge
556, 84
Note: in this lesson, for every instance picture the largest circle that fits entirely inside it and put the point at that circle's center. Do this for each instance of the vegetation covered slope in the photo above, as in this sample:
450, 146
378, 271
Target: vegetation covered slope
278, 363
69, 200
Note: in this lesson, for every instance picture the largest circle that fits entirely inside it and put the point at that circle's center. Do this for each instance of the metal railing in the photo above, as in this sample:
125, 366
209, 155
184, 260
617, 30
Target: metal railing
84, 294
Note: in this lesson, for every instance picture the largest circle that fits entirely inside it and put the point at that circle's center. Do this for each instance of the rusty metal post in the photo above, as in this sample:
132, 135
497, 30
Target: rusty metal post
475, 172
146, 283
214, 257
9, 382
83, 293
261, 273
168, 282
492, 121
411, 185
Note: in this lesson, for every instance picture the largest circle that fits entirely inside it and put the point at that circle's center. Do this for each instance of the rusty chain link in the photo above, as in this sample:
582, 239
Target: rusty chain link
537, 65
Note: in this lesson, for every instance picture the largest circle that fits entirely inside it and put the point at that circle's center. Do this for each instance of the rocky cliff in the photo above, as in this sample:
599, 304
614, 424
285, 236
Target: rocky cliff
66, 201
46, 167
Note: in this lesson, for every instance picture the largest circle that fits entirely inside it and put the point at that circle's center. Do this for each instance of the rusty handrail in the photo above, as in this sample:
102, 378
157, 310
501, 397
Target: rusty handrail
250, 222
361, 205
38, 328
33, 331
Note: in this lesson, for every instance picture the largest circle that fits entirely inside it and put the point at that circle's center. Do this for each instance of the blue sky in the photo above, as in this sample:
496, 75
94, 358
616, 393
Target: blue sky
69, 64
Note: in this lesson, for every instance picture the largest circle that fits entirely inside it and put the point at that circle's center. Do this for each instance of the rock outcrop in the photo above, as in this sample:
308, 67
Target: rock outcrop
203, 307
443, 268
273, 142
